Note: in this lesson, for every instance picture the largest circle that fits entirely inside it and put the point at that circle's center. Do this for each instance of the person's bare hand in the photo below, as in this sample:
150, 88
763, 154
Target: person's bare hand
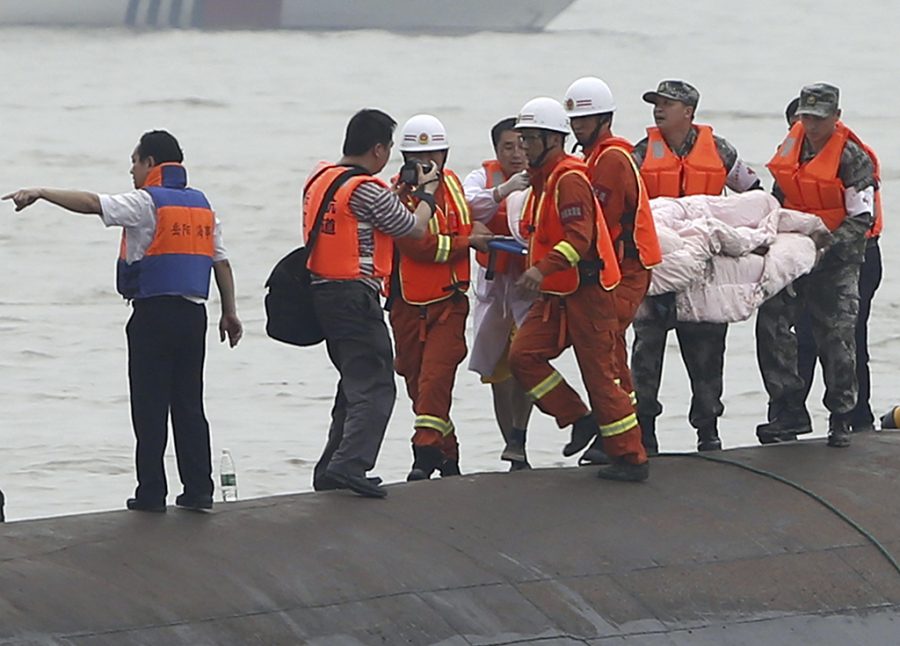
24, 197
480, 236
230, 326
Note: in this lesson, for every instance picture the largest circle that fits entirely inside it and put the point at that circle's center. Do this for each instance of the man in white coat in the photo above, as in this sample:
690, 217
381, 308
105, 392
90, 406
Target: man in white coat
499, 306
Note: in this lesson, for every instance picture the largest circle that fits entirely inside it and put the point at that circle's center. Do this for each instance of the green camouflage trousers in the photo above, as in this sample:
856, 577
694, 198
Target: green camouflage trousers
831, 295
702, 351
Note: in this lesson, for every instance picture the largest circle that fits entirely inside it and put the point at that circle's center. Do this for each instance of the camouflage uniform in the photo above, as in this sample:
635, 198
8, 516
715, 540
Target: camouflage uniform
830, 293
702, 344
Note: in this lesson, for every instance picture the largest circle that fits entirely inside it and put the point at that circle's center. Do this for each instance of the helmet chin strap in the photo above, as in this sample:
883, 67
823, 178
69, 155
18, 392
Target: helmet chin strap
591, 140
537, 163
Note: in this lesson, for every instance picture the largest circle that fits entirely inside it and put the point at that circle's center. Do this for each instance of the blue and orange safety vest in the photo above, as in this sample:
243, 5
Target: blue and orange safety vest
180, 256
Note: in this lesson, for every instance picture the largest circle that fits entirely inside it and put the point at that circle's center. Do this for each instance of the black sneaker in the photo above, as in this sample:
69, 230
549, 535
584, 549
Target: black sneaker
519, 466
625, 471
192, 503
133, 504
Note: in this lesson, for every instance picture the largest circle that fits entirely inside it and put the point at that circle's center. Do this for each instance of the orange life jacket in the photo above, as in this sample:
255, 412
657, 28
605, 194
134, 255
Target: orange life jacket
498, 224
336, 252
638, 229
814, 186
666, 174
180, 256
422, 283
542, 225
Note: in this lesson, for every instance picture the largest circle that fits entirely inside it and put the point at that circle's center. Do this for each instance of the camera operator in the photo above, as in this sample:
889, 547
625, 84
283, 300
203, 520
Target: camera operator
348, 262
428, 303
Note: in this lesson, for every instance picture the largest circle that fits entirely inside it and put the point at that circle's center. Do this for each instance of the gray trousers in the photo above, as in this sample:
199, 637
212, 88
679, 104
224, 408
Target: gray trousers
359, 347
702, 350
830, 295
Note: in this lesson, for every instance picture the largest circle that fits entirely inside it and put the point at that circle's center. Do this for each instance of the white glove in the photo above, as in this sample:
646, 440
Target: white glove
518, 182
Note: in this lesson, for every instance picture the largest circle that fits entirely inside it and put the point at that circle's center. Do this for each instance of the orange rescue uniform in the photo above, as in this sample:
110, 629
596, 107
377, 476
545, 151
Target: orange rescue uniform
617, 183
570, 245
428, 315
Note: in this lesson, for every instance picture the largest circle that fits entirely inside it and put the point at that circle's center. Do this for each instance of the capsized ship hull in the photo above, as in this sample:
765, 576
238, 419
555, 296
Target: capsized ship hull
456, 16
704, 553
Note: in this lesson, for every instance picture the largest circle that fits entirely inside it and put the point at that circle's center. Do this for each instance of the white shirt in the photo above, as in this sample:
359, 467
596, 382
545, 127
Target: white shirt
136, 213
480, 199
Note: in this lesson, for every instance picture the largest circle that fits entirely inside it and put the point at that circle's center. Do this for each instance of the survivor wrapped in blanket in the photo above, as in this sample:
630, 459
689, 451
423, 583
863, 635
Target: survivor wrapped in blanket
724, 256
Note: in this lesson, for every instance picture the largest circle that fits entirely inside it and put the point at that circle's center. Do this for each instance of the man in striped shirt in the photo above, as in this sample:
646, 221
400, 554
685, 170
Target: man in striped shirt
347, 303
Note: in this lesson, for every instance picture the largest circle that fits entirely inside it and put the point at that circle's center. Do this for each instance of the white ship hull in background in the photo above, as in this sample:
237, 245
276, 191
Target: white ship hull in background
394, 15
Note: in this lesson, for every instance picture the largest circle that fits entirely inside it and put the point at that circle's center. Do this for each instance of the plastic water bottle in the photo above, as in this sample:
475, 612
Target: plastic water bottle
227, 477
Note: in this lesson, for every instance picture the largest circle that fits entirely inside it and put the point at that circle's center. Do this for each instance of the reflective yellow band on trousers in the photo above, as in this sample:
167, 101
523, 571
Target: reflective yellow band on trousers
568, 251
617, 428
545, 386
442, 426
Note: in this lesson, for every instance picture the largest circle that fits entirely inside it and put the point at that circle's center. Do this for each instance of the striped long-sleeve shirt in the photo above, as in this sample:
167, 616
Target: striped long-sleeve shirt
376, 208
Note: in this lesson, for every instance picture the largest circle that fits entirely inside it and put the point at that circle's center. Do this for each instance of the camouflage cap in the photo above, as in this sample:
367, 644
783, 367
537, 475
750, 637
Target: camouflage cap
819, 100
675, 90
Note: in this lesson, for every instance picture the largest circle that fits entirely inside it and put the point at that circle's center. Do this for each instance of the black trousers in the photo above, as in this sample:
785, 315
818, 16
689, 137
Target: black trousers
869, 280
166, 350
360, 348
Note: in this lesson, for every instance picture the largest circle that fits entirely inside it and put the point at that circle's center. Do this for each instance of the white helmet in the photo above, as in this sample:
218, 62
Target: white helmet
588, 95
423, 133
543, 113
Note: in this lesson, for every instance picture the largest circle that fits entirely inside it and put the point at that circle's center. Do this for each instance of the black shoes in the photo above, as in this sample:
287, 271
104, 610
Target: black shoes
862, 427
449, 468
583, 431
785, 427
708, 438
625, 471
839, 432
356, 483
134, 504
594, 455
194, 503
426, 460
326, 483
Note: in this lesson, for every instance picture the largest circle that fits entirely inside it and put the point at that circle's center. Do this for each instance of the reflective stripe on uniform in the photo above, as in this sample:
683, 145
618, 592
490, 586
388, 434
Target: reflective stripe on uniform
617, 428
442, 426
442, 253
568, 251
545, 386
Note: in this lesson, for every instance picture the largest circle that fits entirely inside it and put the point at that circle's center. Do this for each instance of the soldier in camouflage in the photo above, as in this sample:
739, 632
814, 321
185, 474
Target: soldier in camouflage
702, 344
830, 292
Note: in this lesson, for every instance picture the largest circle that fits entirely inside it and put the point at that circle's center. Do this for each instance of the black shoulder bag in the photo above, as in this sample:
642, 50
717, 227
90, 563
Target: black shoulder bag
290, 316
